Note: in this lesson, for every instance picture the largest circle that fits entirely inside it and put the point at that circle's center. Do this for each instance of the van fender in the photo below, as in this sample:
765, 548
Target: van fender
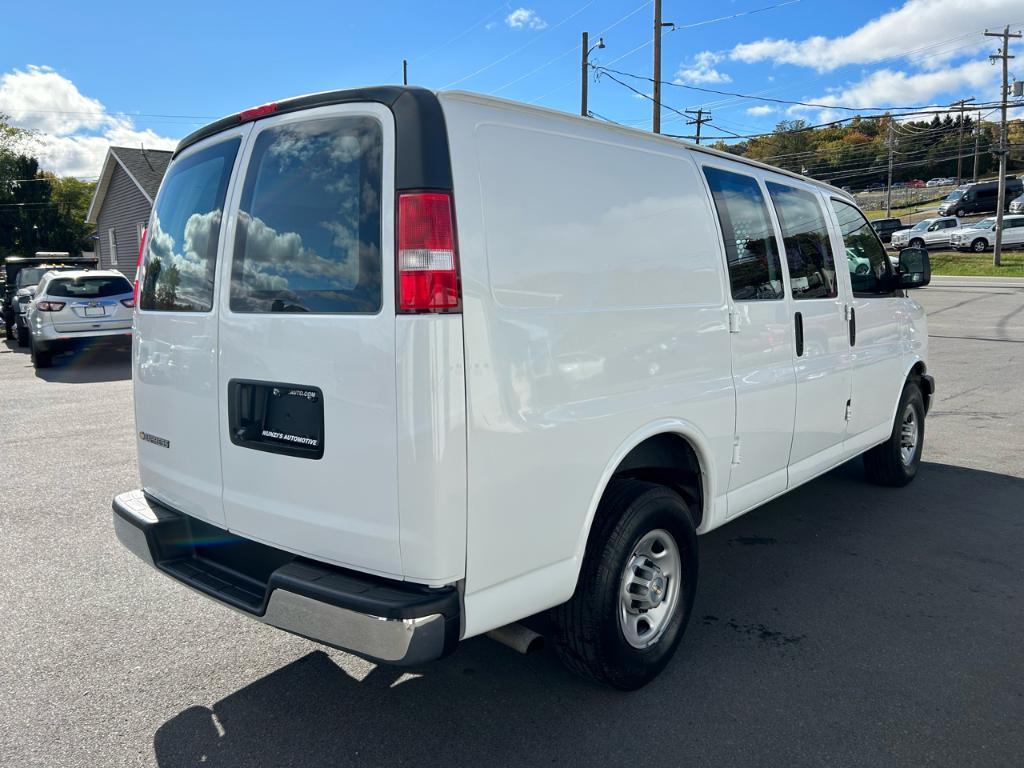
685, 429
912, 363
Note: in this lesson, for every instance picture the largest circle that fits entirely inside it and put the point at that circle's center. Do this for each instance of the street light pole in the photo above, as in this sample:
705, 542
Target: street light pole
1004, 149
584, 66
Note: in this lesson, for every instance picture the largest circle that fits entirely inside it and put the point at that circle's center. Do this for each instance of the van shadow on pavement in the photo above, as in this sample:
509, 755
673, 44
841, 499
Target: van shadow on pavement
844, 624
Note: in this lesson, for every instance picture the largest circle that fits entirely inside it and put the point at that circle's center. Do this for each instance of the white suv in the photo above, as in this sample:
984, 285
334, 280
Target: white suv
411, 367
926, 234
78, 307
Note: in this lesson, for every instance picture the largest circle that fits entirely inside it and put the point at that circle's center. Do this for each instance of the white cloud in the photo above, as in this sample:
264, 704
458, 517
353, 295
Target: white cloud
761, 110
73, 130
525, 18
901, 33
702, 70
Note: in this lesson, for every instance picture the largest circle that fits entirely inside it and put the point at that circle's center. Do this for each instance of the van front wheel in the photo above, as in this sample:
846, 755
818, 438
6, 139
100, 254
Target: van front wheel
635, 589
895, 461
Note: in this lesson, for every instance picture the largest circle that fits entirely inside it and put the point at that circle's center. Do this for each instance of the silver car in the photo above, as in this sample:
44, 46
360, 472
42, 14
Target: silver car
1017, 205
79, 307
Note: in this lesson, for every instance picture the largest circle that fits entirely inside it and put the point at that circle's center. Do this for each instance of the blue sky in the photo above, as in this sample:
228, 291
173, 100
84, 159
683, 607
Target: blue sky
85, 76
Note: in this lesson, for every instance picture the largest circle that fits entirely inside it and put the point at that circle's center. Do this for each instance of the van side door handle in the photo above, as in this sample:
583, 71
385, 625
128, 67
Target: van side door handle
853, 325
799, 319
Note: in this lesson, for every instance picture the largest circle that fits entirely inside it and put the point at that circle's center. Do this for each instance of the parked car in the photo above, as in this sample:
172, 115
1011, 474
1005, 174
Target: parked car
885, 228
916, 184
982, 236
25, 290
13, 265
403, 427
935, 182
1017, 205
982, 197
928, 233
75, 308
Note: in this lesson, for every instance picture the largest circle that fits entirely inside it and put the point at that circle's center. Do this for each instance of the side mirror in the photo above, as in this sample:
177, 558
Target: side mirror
915, 269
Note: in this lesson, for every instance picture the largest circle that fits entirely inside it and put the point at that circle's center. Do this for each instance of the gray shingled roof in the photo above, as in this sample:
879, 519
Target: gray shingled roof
146, 165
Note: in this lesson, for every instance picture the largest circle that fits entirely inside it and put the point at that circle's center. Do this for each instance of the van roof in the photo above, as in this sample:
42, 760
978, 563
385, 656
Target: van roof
420, 103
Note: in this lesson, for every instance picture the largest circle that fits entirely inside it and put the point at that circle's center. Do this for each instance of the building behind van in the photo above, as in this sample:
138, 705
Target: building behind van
411, 367
980, 197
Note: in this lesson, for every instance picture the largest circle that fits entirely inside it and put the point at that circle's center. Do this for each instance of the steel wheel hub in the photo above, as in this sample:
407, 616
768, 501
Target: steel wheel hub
909, 432
649, 589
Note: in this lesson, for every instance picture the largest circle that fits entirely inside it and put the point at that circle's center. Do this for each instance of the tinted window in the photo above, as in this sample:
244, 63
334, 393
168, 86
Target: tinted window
89, 287
755, 271
181, 247
865, 256
30, 276
309, 231
812, 270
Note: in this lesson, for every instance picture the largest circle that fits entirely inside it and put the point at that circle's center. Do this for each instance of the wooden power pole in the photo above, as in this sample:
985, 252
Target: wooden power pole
960, 139
1004, 149
656, 120
583, 75
701, 118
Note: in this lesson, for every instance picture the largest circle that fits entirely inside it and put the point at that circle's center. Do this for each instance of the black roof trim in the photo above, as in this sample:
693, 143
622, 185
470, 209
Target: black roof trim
422, 159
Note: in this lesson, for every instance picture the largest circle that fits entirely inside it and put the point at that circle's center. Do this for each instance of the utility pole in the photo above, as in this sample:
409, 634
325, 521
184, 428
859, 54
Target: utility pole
701, 118
584, 71
405, 71
891, 142
977, 137
1004, 150
658, 26
960, 139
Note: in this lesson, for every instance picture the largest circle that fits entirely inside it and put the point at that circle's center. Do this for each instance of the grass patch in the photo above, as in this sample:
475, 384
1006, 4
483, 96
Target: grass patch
977, 264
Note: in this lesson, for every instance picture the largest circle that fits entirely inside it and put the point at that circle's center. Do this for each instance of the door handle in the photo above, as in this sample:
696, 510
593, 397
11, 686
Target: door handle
853, 325
799, 320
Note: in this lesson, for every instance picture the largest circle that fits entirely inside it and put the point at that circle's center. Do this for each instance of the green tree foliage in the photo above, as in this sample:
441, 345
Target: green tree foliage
38, 210
856, 154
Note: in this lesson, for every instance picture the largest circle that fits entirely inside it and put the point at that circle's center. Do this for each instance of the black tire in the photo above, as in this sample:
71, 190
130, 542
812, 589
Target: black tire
8, 329
960, 213
41, 357
588, 635
917, 242
884, 464
980, 245
22, 336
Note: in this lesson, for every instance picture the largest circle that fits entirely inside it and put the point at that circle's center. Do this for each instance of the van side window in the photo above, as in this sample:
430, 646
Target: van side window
865, 256
812, 270
755, 272
309, 222
181, 250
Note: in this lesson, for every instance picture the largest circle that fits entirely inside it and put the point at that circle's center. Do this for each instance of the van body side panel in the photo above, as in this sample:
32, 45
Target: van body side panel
591, 309
431, 439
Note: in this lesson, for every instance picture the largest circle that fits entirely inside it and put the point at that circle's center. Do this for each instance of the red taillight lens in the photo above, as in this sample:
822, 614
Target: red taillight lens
256, 112
138, 268
50, 306
428, 270
130, 303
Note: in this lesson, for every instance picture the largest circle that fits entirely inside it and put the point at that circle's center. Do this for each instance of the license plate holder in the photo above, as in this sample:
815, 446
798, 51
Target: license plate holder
94, 312
277, 418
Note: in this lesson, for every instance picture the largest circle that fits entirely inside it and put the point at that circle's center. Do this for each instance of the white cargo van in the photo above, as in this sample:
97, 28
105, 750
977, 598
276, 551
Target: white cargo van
410, 367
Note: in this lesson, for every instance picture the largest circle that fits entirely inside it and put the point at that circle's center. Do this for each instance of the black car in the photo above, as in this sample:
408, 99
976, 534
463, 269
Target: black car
885, 228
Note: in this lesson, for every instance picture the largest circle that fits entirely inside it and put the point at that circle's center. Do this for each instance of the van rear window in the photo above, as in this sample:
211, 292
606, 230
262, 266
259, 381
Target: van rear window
181, 246
309, 222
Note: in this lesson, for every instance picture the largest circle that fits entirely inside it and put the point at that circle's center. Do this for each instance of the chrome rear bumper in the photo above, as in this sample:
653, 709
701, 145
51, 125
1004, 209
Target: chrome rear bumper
380, 619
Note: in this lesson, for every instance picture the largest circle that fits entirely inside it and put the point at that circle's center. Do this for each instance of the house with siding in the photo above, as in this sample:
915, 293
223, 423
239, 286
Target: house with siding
122, 202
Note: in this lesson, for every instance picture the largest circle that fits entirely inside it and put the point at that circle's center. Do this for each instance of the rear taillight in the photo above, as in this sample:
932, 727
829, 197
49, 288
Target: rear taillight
50, 306
428, 269
130, 303
138, 268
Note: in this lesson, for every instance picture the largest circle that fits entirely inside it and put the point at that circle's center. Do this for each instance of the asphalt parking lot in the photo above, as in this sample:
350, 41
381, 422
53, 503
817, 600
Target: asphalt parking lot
842, 625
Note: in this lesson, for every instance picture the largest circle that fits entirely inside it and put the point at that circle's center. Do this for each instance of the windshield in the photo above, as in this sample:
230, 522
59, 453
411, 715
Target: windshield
96, 287
921, 226
983, 224
956, 194
31, 276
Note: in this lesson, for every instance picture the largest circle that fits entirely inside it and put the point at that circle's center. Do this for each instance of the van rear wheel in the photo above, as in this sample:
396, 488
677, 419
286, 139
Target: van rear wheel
895, 462
635, 590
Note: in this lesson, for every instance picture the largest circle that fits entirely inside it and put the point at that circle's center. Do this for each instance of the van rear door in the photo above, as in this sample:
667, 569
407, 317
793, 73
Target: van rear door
174, 354
307, 339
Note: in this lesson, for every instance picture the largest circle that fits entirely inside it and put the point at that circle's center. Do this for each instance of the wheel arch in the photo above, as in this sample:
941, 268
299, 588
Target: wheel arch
917, 371
671, 452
